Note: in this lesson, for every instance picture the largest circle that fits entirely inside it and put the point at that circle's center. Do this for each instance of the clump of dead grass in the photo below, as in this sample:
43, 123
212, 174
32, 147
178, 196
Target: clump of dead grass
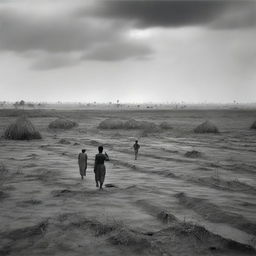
126, 237
193, 154
132, 124
115, 123
27, 232
3, 169
206, 127
3, 176
166, 217
64, 141
253, 126
22, 129
111, 123
62, 123
165, 126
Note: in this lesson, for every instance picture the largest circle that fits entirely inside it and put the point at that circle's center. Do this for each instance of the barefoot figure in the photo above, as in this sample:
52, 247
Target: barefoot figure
99, 167
82, 162
136, 147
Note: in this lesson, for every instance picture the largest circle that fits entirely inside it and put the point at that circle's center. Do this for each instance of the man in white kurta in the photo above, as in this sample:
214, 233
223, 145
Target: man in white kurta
82, 162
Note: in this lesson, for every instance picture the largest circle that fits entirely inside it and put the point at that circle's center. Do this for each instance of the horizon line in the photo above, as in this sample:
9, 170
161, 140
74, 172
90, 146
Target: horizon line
127, 102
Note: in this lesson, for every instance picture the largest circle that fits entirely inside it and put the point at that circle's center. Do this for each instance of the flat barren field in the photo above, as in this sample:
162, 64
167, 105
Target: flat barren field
187, 193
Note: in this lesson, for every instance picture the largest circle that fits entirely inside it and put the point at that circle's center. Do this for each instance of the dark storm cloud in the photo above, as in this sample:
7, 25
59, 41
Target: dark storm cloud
177, 13
239, 15
54, 34
23, 32
100, 30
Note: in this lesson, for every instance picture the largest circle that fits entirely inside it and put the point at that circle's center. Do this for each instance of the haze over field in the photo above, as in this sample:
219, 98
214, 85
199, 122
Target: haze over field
135, 51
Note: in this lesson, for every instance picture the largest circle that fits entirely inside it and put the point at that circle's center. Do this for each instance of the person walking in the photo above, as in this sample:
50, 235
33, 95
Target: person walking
136, 147
82, 162
99, 167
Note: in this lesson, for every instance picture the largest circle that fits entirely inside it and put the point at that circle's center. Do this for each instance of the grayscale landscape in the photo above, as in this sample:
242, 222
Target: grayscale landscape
154, 100
187, 194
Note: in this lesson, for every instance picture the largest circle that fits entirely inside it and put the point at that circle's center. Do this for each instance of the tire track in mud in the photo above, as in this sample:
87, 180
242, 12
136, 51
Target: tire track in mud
204, 163
241, 168
229, 186
219, 144
134, 168
226, 185
212, 182
164, 214
214, 213
201, 161
166, 158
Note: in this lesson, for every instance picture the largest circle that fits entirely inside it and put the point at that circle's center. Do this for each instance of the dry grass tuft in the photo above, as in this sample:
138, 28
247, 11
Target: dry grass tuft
253, 125
32, 202
149, 126
3, 169
189, 228
64, 141
206, 127
165, 126
111, 123
166, 217
114, 123
132, 124
62, 123
28, 232
3, 177
193, 154
102, 229
22, 129
126, 237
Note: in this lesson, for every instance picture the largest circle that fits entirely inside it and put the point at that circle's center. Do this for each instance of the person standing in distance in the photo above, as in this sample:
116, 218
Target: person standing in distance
82, 162
99, 167
136, 147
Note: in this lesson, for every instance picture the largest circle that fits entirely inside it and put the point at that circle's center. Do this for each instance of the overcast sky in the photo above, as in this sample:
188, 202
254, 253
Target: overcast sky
134, 51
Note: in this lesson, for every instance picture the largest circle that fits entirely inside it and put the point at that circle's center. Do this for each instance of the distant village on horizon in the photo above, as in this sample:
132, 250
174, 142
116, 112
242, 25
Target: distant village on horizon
30, 105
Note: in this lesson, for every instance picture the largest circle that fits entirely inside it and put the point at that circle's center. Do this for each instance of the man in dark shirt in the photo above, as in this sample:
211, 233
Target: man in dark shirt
136, 147
99, 167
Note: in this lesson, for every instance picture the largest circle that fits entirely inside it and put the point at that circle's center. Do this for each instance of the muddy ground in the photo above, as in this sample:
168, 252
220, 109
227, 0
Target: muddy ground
168, 202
